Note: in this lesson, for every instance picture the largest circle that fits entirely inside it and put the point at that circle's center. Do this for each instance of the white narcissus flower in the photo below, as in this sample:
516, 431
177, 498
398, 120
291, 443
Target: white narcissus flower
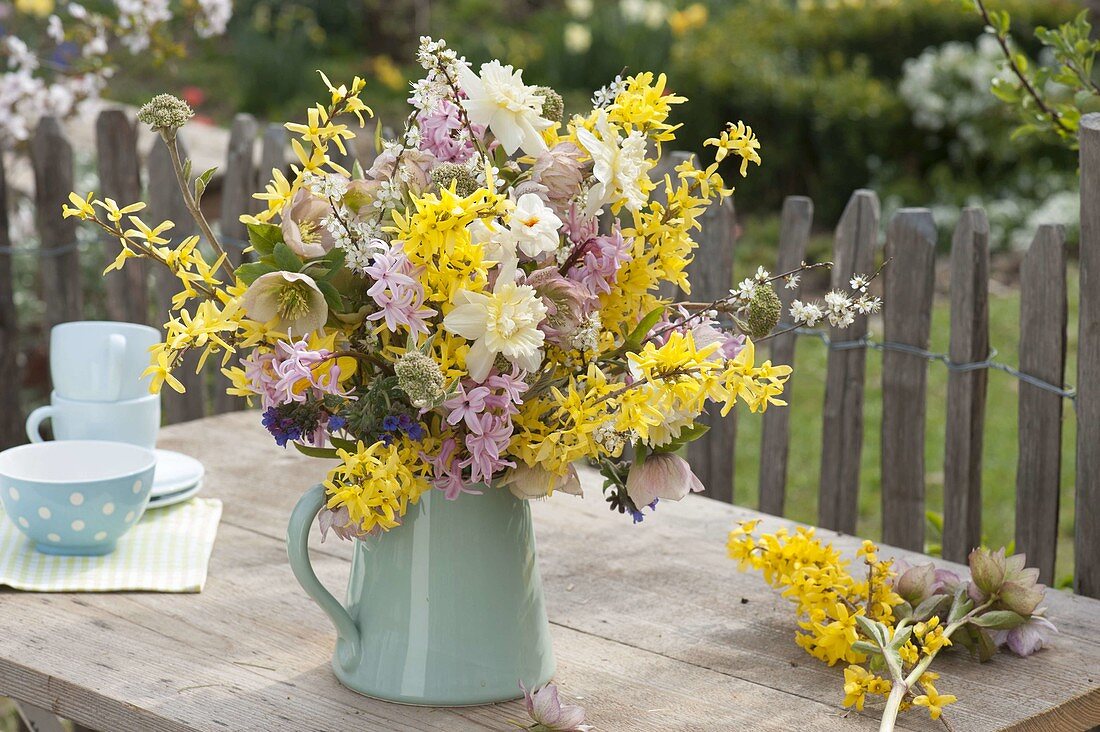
534, 226
618, 164
505, 322
662, 475
291, 298
528, 482
499, 100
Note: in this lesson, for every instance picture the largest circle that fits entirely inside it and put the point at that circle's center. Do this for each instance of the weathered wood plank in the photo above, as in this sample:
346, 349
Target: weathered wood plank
907, 316
238, 185
966, 390
60, 262
1087, 501
11, 413
842, 415
120, 179
274, 149
711, 275
1042, 355
687, 605
796, 220
166, 202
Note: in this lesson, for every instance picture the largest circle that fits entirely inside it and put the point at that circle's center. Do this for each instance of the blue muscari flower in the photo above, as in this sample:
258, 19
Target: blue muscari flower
390, 423
281, 428
415, 432
637, 515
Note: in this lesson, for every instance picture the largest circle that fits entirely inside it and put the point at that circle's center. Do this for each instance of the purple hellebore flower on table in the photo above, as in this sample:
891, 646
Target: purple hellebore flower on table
662, 475
550, 714
1028, 638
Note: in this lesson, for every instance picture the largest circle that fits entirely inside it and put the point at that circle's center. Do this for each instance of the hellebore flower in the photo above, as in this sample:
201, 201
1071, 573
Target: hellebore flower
546, 709
1023, 640
527, 482
291, 298
302, 229
661, 475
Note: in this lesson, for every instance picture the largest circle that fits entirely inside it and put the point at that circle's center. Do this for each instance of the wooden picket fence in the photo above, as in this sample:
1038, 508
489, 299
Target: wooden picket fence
910, 241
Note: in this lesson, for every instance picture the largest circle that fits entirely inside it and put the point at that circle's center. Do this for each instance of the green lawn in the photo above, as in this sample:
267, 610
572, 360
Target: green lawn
999, 461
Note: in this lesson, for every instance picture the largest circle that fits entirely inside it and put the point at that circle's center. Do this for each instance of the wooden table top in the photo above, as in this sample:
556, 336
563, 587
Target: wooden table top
654, 629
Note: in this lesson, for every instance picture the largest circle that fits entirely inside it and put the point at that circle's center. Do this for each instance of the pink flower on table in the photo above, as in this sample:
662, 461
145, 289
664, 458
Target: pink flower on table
546, 709
1023, 640
443, 135
467, 405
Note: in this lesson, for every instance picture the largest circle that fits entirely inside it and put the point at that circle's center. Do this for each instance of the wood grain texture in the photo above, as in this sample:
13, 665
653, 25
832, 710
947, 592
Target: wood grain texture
238, 185
127, 290
1043, 355
842, 415
907, 319
711, 276
274, 149
11, 412
966, 390
795, 223
166, 202
679, 641
62, 289
1087, 500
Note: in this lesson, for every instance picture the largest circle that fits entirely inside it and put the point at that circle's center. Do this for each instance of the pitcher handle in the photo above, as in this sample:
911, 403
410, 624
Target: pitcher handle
297, 547
35, 420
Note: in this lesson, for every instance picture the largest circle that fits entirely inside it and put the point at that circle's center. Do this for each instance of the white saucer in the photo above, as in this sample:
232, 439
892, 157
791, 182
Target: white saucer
175, 472
171, 499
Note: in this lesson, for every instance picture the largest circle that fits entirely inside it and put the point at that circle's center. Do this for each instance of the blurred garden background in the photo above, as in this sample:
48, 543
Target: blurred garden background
892, 95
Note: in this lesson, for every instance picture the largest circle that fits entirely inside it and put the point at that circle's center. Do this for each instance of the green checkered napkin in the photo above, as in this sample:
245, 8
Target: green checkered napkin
167, 551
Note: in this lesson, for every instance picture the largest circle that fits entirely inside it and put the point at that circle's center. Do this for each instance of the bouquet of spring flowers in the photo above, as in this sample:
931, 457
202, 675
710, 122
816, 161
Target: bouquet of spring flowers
481, 306
888, 621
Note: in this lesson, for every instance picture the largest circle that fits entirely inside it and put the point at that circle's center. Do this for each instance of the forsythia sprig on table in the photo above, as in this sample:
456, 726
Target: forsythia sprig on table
886, 620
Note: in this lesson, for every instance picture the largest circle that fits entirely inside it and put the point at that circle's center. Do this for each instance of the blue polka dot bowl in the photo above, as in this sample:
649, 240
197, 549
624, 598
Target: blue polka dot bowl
75, 497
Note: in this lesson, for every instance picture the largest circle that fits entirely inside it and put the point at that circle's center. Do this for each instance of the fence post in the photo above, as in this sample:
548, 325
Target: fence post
11, 415
120, 179
238, 185
273, 153
794, 231
966, 390
60, 262
1087, 512
166, 202
907, 316
711, 274
842, 414
1042, 355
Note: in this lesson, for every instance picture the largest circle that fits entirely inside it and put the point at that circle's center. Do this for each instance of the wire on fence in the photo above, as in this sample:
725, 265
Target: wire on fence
1066, 392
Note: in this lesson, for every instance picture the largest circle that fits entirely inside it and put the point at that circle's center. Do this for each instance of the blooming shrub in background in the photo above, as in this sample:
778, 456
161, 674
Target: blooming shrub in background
60, 55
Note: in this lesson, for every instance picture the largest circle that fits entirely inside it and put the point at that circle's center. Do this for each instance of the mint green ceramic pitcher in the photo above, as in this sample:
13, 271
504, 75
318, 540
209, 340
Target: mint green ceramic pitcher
445, 609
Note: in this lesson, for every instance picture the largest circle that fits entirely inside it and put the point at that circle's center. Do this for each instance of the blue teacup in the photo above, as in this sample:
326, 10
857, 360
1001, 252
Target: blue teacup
76, 497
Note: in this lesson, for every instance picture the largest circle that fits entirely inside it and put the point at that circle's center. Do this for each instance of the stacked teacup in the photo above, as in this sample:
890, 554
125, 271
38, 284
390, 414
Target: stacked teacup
79, 493
99, 392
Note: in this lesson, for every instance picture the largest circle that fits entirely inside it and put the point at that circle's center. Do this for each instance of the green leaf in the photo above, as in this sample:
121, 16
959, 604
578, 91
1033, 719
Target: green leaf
688, 434
864, 647
932, 606
264, 237
343, 444
285, 259
187, 169
640, 452
999, 620
252, 271
900, 639
935, 519
873, 629
634, 340
317, 452
202, 181
332, 295
960, 605
333, 263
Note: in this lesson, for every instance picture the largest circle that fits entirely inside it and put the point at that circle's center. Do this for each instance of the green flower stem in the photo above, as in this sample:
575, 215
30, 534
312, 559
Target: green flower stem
902, 684
169, 137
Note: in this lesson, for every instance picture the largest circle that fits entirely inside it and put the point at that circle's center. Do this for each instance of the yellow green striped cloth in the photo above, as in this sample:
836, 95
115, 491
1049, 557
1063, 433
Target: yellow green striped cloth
167, 551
